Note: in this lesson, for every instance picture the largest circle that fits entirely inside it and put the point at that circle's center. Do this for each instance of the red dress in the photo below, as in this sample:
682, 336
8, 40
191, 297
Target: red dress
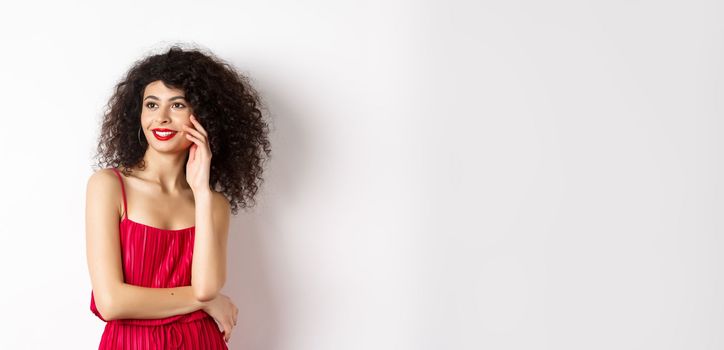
158, 258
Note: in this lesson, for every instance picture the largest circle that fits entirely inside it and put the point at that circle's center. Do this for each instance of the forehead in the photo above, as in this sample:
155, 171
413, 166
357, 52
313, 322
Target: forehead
158, 88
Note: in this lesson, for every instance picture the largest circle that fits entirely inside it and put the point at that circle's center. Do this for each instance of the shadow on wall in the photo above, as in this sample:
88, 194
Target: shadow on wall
254, 282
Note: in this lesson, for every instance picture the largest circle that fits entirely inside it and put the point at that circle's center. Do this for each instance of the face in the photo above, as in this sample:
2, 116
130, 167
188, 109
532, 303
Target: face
164, 111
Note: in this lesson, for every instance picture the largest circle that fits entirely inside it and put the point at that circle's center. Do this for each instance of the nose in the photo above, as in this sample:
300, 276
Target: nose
164, 117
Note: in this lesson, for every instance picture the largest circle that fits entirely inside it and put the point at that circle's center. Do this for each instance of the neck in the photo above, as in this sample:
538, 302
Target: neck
168, 170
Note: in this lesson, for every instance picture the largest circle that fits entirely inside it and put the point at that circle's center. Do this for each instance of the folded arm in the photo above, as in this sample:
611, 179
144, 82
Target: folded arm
115, 299
126, 301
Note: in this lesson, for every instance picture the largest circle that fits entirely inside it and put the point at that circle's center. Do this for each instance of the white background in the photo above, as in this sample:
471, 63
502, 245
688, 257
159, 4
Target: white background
446, 175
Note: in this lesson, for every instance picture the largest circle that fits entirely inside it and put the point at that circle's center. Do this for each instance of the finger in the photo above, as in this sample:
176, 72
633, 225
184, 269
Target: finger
198, 125
192, 152
227, 331
194, 139
201, 143
194, 132
191, 130
198, 143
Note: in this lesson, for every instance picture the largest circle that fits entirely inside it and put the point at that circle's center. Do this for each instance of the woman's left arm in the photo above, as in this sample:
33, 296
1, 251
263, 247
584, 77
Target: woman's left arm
208, 268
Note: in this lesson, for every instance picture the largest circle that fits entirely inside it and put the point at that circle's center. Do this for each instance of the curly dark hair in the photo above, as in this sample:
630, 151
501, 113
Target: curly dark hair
222, 99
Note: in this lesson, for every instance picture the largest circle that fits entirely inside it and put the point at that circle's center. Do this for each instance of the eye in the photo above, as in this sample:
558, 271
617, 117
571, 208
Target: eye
149, 105
179, 104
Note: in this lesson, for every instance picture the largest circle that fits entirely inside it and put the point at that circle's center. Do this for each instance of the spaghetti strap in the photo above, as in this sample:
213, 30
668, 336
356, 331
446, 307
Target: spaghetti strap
123, 191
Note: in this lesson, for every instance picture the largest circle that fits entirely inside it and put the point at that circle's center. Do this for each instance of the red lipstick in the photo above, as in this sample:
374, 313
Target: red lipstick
163, 134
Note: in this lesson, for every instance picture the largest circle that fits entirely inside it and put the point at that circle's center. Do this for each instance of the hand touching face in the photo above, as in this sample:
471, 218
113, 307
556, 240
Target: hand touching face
198, 165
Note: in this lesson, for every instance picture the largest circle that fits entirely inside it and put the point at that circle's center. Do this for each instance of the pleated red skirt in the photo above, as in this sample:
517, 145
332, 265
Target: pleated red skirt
199, 334
158, 258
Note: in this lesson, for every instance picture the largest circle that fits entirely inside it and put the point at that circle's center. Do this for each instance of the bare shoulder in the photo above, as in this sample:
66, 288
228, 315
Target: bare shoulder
103, 187
102, 179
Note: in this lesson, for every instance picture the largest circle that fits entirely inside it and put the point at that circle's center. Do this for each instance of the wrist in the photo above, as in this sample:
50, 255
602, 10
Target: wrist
202, 193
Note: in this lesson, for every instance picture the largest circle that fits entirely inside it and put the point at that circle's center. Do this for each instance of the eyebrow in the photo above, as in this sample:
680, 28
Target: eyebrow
170, 99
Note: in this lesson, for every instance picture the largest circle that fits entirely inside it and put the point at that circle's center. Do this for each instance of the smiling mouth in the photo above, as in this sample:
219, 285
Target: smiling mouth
164, 135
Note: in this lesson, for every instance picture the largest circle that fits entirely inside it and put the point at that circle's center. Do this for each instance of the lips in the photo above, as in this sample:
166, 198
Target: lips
163, 134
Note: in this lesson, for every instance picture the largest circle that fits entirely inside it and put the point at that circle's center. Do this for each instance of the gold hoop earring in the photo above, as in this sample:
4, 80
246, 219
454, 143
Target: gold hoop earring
139, 136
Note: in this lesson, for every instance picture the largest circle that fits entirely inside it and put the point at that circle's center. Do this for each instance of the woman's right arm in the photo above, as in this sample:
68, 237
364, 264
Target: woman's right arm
115, 299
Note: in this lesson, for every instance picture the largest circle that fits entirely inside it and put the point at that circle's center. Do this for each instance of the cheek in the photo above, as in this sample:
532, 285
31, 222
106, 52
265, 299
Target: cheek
145, 119
187, 125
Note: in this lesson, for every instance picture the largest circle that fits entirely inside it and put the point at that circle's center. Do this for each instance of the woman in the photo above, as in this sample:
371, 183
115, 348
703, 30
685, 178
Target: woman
182, 145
